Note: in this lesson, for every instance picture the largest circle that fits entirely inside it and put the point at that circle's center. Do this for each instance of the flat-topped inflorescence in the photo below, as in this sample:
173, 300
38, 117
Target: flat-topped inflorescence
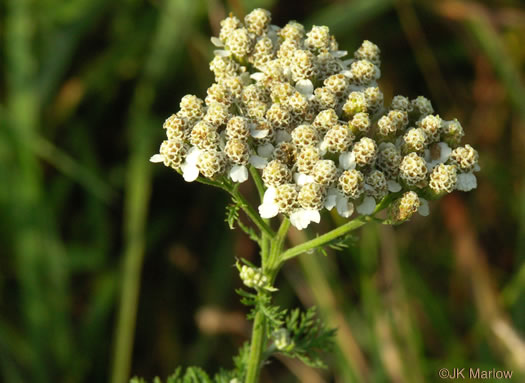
314, 123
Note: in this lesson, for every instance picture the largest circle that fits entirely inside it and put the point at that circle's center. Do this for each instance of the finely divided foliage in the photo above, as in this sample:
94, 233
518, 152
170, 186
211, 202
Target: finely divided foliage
309, 123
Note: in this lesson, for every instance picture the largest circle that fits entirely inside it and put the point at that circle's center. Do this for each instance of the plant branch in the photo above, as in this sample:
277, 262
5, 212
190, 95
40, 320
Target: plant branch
339, 231
252, 214
256, 348
270, 257
275, 251
258, 182
325, 238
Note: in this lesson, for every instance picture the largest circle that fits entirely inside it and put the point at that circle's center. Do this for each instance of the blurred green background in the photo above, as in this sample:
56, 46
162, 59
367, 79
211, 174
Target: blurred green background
90, 229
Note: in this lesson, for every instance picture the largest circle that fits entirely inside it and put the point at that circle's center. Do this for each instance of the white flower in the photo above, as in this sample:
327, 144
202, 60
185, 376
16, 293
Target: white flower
466, 182
217, 42
238, 173
282, 136
258, 162
258, 133
305, 87
344, 208
423, 209
301, 218
347, 161
393, 186
257, 76
339, 54
302, 179
269, 209
347, 63
444, 154
190, 172
367, 207
156, 158
221, 53
331, 198
265, 150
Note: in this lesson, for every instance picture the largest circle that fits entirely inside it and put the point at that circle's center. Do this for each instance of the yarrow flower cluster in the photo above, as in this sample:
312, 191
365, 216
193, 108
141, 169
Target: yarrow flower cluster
315, 125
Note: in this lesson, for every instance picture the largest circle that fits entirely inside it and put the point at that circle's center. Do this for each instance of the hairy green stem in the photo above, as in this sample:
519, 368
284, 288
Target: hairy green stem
258, 182
337, 232
325, 238
274, 261
270, 257
256, 348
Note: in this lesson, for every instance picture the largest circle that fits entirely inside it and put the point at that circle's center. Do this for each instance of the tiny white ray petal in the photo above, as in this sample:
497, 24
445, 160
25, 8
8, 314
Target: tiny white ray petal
313, 215
257, 76
268, 210
368, 188
330, 202
156, 158
347, 73
331, 198
344, 208
245, 78
424, 208
258, 162
323, 147
190, 172
193, 155
347, 160
222, 53
239, 173
302, 179
282, 136
269, 195
305, 87
426, 155
393, 186
445, 152
477, 168
297, 221
466, 182
259, 133
265, 150
301, 218
432, 164
217, 42
339, 54
367, 207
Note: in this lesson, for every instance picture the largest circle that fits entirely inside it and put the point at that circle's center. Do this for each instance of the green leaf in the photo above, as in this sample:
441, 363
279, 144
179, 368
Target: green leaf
309, 337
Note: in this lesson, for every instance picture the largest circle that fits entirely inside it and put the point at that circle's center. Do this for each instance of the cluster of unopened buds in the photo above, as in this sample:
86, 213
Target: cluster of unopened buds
287, 102
282, 340
254, 277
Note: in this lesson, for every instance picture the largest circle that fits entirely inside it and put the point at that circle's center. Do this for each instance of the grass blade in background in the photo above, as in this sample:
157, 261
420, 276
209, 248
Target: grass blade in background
173, 27
39, 258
